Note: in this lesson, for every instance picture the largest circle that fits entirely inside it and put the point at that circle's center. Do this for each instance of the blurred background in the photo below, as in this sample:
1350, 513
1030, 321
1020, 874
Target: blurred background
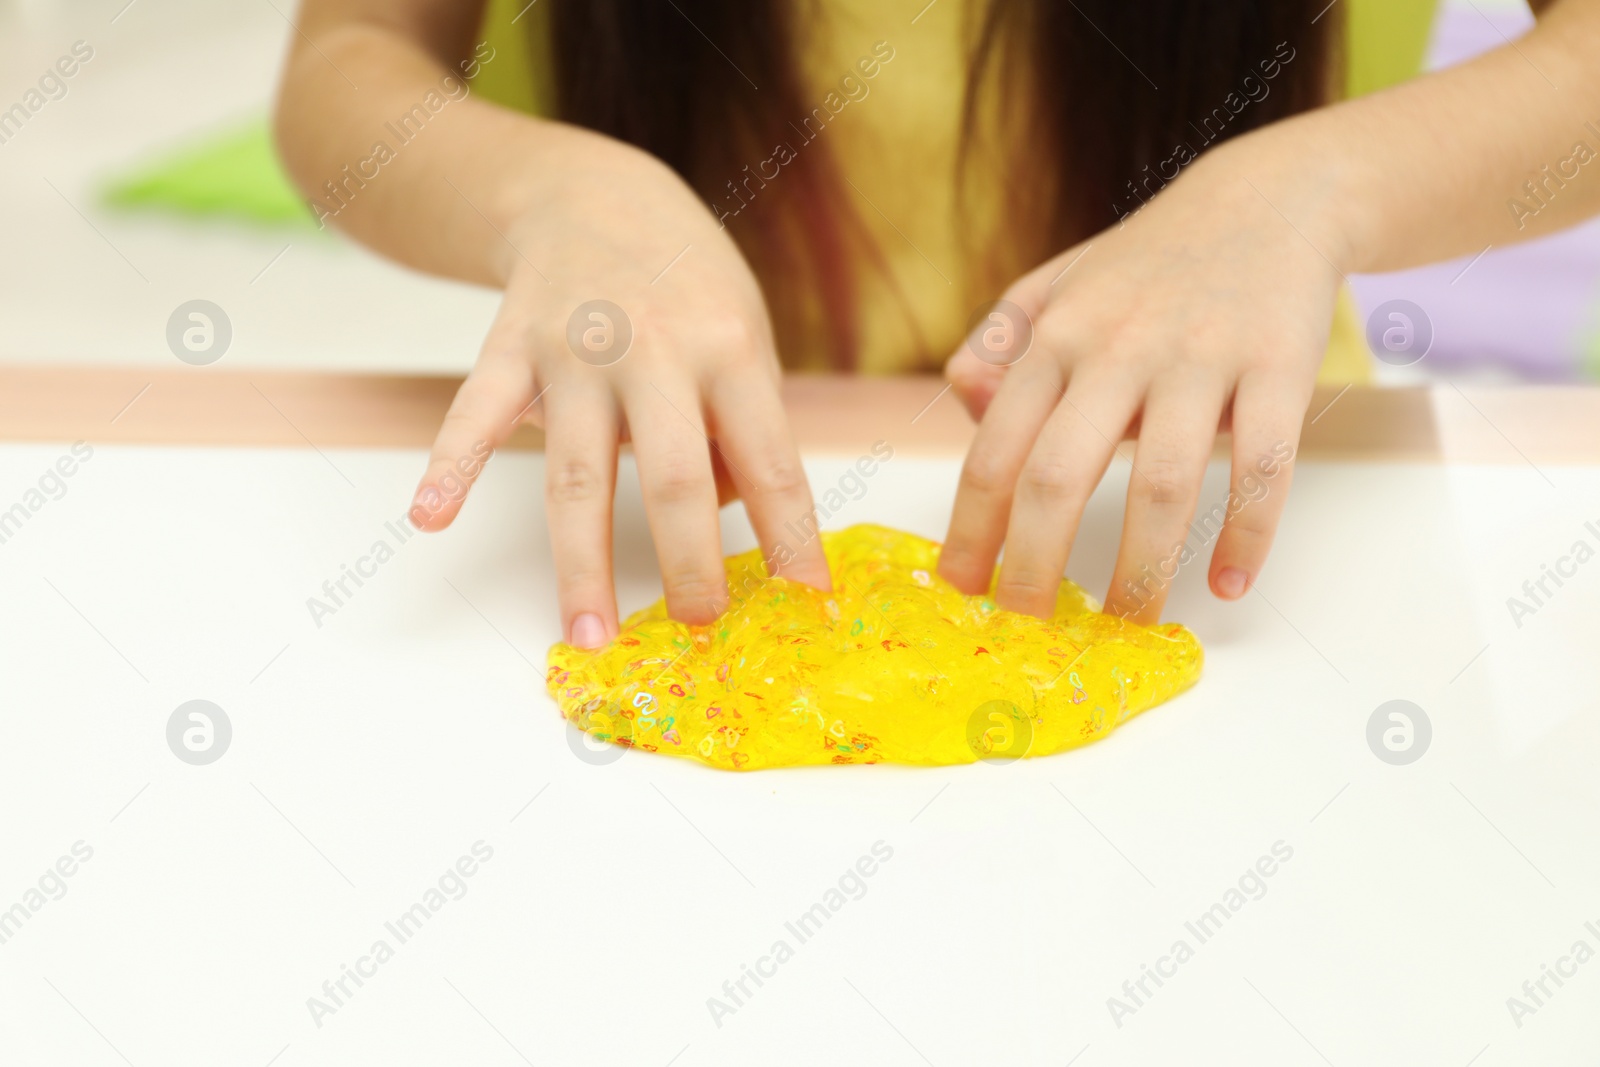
144, 181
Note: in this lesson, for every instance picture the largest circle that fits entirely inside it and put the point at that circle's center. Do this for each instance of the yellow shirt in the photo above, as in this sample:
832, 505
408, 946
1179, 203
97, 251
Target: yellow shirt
899, 152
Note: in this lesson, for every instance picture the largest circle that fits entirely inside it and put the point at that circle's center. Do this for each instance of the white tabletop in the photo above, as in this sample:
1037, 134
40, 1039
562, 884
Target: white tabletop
369, 755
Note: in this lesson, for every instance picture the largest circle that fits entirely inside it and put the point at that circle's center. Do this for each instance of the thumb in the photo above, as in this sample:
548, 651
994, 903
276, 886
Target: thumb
975, 382
999, 335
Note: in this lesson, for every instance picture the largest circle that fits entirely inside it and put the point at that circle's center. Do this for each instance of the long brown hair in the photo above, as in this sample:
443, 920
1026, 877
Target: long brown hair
1116, 96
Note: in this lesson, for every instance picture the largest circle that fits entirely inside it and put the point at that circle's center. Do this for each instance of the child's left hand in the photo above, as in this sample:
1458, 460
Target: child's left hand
1212, 305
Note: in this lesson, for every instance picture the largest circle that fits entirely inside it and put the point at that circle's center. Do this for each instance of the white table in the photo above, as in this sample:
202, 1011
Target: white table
371, 753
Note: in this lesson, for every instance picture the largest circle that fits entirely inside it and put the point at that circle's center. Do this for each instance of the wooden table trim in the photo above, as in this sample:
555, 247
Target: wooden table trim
916, 415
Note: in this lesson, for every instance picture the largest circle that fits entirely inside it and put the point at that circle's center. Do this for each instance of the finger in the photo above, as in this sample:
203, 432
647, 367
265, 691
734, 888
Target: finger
999, 337
580, 480
975, 382
1032, 292
482, 416
1175, 437
680, 496
994, 375
764, 464
989, 474
1267, 415
1065, 464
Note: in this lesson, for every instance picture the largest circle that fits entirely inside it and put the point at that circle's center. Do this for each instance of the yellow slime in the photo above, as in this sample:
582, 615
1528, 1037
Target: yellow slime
895, 665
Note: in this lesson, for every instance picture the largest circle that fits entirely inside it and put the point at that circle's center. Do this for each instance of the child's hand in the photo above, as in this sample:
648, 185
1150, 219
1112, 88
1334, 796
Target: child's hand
1207, 307
695, 389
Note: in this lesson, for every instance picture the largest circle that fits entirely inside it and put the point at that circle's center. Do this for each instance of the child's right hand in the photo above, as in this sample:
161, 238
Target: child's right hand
695, 389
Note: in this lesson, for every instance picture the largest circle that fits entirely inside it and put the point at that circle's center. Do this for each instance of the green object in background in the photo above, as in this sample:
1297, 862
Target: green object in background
232, 174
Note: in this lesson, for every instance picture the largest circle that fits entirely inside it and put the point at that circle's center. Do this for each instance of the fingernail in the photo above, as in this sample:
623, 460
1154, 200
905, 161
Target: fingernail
424, 506
588, 631
1231, 582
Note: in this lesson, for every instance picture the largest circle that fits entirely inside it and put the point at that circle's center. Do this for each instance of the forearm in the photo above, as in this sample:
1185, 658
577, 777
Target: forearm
441, 188
1438, 167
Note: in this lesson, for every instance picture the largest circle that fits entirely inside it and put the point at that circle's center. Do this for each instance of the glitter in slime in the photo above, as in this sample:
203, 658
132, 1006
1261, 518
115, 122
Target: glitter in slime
894, 666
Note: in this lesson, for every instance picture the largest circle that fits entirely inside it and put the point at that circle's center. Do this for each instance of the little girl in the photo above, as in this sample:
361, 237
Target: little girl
1101, 217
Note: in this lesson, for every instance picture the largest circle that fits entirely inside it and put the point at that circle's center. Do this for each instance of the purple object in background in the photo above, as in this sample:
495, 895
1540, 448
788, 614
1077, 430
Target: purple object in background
1530, 310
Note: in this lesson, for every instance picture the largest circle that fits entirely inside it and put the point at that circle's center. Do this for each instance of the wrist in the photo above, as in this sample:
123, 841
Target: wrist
566, 173
1304, 172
